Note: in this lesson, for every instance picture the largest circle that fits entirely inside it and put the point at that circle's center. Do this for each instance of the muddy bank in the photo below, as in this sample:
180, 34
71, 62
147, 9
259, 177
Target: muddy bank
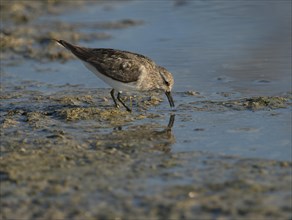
71, 154
122, 183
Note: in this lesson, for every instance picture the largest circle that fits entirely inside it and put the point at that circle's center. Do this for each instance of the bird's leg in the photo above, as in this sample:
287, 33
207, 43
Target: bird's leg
131, 102
113, 97
119, 98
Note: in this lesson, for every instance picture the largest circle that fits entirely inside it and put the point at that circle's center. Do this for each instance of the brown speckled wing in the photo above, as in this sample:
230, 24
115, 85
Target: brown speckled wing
125, 67
115, 64
119, 65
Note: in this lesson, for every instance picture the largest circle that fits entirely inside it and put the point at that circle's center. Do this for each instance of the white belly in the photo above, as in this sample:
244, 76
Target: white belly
117, 85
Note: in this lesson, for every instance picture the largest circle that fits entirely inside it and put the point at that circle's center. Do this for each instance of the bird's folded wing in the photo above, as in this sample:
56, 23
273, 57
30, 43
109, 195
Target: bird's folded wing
119, 65
124, 70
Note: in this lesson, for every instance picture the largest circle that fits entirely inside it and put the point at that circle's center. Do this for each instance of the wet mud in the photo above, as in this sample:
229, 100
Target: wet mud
67, 153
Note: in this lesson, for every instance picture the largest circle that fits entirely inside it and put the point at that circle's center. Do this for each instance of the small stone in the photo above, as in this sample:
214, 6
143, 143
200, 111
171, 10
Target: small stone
192, 194
193, 93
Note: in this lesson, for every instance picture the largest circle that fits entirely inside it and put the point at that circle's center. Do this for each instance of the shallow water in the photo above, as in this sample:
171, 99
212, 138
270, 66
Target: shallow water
224, 50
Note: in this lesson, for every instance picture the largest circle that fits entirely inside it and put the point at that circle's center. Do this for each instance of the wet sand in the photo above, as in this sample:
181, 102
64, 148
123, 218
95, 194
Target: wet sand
67, 153
64, 156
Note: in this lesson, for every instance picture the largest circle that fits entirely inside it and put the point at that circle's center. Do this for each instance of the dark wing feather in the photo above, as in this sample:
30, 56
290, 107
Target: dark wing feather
115, 64
119, 65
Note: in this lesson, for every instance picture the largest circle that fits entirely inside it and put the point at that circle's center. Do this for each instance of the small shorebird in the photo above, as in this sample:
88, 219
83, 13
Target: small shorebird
124, 71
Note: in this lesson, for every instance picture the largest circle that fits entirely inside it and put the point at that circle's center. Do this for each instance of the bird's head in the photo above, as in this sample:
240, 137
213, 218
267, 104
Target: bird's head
166, 80
167, 84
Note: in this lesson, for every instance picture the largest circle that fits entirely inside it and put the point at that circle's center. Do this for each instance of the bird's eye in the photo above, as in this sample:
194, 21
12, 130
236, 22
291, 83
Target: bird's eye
164, 80
166, 83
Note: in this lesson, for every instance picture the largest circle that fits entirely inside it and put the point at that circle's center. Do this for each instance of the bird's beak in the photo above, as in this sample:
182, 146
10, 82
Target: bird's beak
170, 99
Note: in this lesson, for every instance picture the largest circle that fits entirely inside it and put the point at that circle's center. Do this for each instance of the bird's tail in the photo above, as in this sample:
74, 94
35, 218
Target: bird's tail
65, 44
80, 52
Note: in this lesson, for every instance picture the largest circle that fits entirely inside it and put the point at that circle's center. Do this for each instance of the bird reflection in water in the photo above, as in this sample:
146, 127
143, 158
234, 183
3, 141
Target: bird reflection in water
147, 136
